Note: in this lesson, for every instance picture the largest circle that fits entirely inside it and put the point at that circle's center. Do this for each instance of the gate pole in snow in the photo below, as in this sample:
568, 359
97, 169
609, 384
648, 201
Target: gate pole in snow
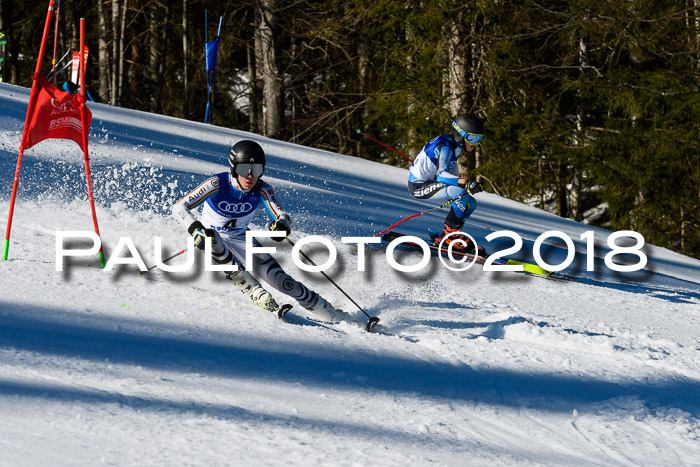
40, 125
86, 130
211, 50
206, 64
30, 111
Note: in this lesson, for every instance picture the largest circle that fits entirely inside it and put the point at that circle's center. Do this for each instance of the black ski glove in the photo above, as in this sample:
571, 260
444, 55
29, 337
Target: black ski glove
280, 225
475, 187
200, 233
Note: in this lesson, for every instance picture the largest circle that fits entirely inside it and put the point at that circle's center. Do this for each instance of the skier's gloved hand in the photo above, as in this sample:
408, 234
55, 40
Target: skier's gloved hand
200, 234
280, 225
475, 187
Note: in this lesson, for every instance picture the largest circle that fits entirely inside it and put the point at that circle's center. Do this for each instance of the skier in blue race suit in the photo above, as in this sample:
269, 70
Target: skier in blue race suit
435, 174
229, 201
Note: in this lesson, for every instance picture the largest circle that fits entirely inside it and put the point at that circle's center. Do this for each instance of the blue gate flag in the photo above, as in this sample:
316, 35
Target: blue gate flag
212, 48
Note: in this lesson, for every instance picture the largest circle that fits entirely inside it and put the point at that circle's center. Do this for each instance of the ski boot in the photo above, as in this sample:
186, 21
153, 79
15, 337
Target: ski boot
328, 312
460, 242
250, 287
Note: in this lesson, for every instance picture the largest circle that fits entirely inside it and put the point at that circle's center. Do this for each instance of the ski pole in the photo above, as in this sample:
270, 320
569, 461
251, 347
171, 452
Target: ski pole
421, 213
52, 75
360, 132
53, 72
372, 319
164, 261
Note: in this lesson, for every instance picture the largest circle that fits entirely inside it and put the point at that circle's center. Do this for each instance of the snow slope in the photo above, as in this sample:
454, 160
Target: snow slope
469, 368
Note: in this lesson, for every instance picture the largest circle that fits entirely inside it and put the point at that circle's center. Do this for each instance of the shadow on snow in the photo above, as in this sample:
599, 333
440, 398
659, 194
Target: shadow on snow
318, 366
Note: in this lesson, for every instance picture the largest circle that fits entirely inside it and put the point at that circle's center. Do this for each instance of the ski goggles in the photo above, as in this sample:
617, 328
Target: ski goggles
245, 169
471, 138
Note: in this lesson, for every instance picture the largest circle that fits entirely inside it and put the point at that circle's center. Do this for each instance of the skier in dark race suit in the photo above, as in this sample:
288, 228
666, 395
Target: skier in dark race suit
229, 201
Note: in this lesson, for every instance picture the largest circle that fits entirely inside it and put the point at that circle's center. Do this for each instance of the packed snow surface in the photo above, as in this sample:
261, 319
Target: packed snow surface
466, 368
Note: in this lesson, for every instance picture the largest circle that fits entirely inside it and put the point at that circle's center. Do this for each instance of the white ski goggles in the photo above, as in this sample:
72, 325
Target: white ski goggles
245, 169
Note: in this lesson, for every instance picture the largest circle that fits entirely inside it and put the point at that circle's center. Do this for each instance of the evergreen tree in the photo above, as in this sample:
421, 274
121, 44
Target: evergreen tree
587, 103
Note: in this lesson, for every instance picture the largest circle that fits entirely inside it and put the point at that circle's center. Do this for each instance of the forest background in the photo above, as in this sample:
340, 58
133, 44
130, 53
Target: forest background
592, 107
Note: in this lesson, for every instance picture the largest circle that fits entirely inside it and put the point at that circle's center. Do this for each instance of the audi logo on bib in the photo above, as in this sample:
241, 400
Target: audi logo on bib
235, 208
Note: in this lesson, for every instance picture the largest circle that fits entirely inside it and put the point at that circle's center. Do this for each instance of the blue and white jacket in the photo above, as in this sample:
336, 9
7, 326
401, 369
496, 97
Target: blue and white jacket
226, 207
437, 161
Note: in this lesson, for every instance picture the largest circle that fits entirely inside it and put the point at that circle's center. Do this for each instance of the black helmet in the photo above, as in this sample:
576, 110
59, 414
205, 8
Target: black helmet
246, 152
467, 123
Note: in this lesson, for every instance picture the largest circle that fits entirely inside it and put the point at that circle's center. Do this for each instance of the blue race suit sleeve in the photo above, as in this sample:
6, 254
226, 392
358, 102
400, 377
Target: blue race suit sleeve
448, 172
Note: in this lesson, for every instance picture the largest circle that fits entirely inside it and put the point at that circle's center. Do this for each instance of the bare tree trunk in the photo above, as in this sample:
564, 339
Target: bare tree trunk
476, 56
575, 196
185, 58
457, 67
254, 91
115, 51
293, 127
562, 198
102, 53
160, 71
122, 70
696, 3
684, 224
153, 52
460, 79
410, 108
72, 37
363, 70
272, 83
